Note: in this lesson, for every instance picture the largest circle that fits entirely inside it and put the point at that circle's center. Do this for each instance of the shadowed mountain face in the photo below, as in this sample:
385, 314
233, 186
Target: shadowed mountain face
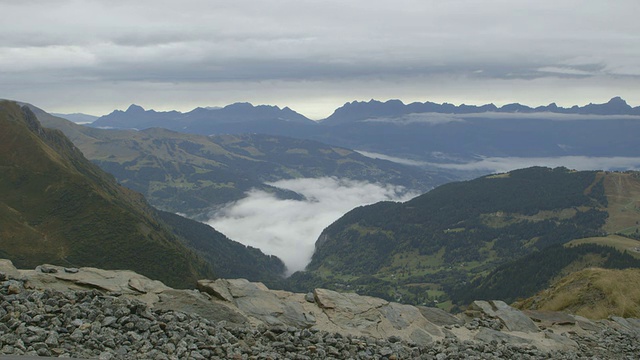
234, 118
424, 132
59, 208
442, 245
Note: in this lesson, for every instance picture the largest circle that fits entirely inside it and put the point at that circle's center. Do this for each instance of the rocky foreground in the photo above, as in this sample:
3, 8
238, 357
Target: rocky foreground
93, 313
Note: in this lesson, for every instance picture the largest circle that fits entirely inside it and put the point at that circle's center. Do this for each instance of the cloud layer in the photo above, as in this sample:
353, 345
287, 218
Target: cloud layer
314, 56
289, 228
486, 164
504, 164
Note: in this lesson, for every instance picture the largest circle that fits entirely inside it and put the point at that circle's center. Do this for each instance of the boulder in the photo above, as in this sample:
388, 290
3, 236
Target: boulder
7, 268
513, 319
218, 288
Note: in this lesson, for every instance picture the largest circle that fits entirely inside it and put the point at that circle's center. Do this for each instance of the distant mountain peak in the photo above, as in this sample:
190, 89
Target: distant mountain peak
133, 108
618, 101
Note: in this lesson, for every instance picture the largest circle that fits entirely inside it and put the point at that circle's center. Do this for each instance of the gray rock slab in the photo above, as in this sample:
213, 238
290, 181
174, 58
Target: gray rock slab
513, 319
586, 324
439, 317
627, 324
267, 307
487, 335
192, 302
329, 299
218, 288
550, 317
421, 337
563, 341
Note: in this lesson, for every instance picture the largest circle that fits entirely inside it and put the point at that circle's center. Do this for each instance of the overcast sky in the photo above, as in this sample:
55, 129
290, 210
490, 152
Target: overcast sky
94, 56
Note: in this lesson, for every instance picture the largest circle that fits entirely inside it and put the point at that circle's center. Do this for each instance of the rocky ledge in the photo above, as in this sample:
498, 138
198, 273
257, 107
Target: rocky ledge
93, 313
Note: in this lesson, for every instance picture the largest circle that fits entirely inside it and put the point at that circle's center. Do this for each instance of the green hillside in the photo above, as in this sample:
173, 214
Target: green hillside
194, 174
593, 293
535, 272
57, 207
230, 259
427, 249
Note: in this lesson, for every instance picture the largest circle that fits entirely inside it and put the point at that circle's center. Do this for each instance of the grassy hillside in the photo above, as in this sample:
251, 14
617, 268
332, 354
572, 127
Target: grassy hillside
193, 174
593, 293
62, 209
532, 273
57, 207
457, 235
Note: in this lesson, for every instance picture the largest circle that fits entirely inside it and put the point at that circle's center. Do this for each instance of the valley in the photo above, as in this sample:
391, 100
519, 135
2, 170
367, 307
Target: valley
457, 242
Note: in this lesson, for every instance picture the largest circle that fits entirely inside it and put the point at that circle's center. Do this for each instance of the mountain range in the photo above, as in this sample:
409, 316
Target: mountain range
432, 135
356, 110
195, 120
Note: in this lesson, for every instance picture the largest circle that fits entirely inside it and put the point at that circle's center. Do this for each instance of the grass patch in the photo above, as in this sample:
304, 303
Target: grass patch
623, 194
619, 242
593, 293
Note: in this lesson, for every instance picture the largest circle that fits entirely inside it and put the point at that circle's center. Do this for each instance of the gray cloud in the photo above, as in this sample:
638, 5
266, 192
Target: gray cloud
505, 164
394, 159
289, 228
321, 53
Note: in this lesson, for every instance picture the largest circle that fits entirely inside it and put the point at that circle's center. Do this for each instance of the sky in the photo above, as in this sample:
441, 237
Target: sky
290, 228
94, 56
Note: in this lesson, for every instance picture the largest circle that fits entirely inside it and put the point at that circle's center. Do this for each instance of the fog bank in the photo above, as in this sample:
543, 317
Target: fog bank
289, 228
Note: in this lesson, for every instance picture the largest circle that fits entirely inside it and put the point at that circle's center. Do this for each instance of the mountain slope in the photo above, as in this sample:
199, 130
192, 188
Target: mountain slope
532, 273
230, 259
596, 293
65, 210
192, 174
423, 249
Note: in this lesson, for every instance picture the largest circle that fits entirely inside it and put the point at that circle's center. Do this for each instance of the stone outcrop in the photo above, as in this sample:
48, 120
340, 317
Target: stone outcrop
321, 324
513, 320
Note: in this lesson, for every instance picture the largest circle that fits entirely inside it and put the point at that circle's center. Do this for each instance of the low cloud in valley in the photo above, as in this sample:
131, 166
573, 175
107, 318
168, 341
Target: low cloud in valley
289, 228
504, 164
